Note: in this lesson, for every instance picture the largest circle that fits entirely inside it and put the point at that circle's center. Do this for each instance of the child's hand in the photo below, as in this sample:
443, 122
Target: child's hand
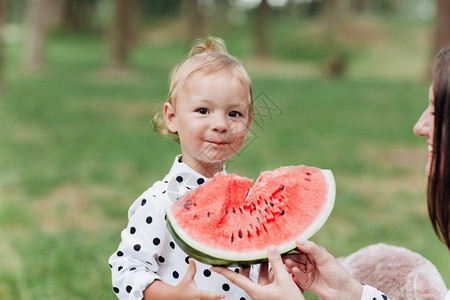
282, 286
186, 289
318, 271
190, 290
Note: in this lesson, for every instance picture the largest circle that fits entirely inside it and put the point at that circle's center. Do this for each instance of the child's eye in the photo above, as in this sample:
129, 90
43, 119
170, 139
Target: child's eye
202, 111
234, 114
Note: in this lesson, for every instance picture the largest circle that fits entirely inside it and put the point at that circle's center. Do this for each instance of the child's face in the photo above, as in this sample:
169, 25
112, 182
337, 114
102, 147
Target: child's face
211, 116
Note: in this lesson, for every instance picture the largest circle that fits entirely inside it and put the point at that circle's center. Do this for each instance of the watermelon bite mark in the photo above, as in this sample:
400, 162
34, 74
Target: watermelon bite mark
226, 221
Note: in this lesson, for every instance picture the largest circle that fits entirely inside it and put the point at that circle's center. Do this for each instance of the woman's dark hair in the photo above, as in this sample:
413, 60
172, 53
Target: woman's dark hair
439, 179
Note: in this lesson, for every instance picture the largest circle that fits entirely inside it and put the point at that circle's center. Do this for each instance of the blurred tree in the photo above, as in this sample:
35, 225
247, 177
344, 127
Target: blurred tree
335, 12
76, 14
38, 19
261, 29
195, 19
162, 8
2, 23
15, 9
383, 6
123, 32
223, 10
442, 31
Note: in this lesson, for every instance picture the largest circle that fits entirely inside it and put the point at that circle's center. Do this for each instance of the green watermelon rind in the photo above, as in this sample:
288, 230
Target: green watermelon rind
220, 257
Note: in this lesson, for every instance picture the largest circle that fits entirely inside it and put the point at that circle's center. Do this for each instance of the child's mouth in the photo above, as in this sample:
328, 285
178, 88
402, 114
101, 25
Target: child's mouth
219, 143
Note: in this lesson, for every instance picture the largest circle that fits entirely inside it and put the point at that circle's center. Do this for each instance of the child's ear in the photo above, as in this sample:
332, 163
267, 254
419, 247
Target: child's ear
169, 117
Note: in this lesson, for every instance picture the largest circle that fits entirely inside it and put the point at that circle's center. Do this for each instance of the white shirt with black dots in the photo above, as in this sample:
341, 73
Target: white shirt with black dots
148, 252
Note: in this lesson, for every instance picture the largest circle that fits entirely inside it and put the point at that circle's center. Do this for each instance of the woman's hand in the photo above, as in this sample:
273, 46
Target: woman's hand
282, 286
316, 270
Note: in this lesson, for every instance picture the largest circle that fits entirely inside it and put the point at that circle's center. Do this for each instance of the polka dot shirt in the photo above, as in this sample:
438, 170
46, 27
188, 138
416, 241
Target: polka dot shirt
148, 252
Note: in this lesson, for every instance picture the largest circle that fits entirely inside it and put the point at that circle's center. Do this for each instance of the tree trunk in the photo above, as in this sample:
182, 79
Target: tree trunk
2, 23
38, 17
195, 20
77, 14
442, 31
123, 32
261, 30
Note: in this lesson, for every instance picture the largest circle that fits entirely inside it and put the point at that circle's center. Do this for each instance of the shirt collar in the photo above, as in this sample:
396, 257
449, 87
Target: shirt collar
182, 178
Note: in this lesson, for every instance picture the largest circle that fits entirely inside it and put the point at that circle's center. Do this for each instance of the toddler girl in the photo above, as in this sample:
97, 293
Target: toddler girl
209, 110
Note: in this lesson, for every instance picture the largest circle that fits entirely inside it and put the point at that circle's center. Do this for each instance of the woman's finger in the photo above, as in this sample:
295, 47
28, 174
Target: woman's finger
263, 277
277, 265
317, 253
245, 271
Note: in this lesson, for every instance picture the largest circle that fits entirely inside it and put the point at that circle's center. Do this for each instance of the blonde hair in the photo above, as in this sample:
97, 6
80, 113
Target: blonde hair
208, 57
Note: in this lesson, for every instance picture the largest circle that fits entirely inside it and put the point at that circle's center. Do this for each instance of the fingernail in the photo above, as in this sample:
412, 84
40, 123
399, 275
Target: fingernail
272, 249
301, 242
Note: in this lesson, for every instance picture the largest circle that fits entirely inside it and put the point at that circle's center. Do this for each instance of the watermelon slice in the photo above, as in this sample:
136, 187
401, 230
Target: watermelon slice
227, 222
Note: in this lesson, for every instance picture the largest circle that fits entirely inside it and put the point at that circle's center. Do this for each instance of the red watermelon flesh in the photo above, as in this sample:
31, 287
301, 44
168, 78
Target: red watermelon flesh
226, 221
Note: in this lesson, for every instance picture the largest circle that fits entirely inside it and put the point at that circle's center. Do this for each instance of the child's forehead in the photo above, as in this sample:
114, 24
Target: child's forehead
226, 77
190, 87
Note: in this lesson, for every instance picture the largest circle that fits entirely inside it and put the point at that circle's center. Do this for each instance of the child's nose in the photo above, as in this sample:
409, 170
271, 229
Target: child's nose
220, 124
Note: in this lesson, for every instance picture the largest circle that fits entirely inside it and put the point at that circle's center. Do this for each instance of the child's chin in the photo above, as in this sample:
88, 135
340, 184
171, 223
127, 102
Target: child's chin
216, 160
218, 157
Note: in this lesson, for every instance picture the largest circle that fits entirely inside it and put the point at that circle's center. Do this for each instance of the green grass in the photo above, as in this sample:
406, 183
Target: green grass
76, 148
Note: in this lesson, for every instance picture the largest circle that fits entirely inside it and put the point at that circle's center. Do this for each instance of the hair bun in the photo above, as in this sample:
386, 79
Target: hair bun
210, 44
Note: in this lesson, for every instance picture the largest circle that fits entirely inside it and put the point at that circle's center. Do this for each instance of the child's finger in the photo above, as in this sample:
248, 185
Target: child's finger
192, 269
204, 295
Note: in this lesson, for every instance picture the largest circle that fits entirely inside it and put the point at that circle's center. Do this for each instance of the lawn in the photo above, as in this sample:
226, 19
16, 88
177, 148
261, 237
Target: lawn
77, 148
